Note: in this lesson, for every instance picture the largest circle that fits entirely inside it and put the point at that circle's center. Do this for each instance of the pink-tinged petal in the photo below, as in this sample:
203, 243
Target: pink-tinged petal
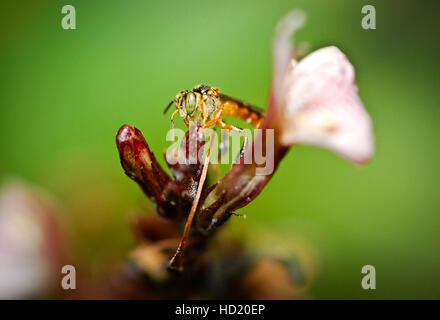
283, 51
322, 107
32, 247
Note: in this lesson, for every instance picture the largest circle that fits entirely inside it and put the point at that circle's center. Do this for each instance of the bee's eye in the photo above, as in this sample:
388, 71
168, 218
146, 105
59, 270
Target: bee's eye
190, 104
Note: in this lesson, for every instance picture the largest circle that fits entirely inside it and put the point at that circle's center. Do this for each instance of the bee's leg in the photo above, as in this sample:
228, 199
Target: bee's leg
217, 120
216, 117
172, 122
230, 127
204, 113
224, 145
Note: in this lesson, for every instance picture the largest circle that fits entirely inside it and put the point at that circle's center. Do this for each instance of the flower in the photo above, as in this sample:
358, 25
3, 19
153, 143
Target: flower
32, 242
314, 101
318, 98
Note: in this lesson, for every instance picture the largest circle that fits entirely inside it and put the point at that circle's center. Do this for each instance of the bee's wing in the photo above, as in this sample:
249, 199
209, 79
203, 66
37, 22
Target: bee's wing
243, 104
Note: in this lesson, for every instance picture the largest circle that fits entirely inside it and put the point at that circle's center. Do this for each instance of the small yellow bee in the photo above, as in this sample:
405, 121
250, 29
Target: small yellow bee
206, 104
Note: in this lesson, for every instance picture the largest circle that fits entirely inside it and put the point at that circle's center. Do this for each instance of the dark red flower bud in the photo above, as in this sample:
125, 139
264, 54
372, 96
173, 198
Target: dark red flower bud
140, 165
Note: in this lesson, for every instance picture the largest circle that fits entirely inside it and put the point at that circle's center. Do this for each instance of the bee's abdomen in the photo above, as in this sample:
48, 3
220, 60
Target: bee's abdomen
232, 109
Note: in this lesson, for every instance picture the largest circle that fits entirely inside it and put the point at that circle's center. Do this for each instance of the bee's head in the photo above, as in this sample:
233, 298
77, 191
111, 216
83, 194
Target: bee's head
188, 101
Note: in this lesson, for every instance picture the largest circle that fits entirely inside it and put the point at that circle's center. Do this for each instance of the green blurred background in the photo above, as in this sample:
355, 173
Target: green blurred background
65, 93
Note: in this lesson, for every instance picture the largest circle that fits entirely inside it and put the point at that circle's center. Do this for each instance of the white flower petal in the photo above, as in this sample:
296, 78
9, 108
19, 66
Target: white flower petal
26, 248
322, 106
282, 45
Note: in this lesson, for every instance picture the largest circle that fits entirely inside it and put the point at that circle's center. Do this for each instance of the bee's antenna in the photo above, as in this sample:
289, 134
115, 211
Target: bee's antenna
168, 107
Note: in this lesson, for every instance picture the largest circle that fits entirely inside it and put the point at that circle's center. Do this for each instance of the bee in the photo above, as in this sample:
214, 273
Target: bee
207, 106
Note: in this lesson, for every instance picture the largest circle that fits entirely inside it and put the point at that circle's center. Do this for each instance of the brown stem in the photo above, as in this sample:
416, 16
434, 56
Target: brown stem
175, 262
